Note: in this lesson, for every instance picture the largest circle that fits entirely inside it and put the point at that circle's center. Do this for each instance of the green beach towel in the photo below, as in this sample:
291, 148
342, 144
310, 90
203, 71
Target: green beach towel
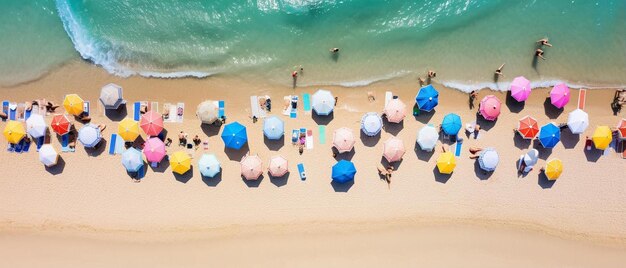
322, 130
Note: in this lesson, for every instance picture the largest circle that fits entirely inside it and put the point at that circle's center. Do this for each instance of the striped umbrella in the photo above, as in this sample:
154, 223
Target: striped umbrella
528, 127
151, 123
207, 112
251, 167
111, 96
621, 129
61, 124
371, 124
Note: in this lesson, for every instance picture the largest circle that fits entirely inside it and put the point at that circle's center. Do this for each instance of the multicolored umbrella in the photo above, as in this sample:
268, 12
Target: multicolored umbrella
554, 168
151, 123
132, 160
73, 104
234, 135
528, 127
279, 166
427, 138
89, 135
520, 88
490, 107
207, 112
323, 102
602, 137
61, 124
273, 128
36, 126
154, 150
621, 129
393, 149
427, 98
128, 129
577, 121
559, 95
395, 111
251, 167
549, 135
488, 159
14, 131
343, 140
451, 124
343, 171
111, 96
446, 163
209, 166
180, 162
48, 155
371, 124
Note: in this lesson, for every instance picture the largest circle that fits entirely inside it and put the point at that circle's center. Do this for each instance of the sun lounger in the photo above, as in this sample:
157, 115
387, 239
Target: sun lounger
39, 142
458, 148
294, 106
220, 111
306, 102
19, 147
582, 96
26, 146
294, 136
322, 130
119, 145
112, 144
301, 171
309, 139
588, 144
65, 143
21, 112
254, 106
5, 108
180, 112
136, 111
388, 97
27, 113
12, 111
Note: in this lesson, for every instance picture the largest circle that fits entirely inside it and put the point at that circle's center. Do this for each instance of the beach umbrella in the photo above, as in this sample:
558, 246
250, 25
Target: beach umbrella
520, 88
371, 124
559, 95
395, 111
209, 166
393, 149
14, 131
151, 123
602, 137
488, 159
73, 104
111, 96
621, 129
528, 127
451, 124
343, 140
132, 160
427, 137
154, 150
490, 107
273, 128
48, 155
577, 121
61, 124
427, 98
128, 129
323, 102
36, 126
89, 135
554, 168
180, 162
446, 163
207, 112
234, 135
251, 167
549, 135
343, 171
279, 166
531, 158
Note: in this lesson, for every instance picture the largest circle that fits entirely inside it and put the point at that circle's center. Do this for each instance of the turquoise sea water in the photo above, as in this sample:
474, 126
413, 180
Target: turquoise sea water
465, 41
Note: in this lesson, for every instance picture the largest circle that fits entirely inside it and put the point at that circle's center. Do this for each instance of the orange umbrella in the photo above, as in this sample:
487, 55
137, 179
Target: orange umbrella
151, 123
528, 127
61, 124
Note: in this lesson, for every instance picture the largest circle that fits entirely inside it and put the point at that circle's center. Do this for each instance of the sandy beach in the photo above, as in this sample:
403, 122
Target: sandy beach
90, 205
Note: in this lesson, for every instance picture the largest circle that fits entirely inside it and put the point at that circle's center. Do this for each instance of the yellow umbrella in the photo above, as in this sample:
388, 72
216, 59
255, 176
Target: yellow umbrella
602, 137
180, 162
128, 129
73, 104
14, 131
554, 168
446, 163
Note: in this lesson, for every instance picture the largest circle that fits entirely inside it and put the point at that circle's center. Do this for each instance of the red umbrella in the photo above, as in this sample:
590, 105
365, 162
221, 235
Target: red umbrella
528, 127
61, 124
621, 129
151, 123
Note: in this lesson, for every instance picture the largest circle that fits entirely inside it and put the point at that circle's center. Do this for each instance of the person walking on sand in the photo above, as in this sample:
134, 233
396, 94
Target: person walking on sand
499, 70
539, 53
544, 42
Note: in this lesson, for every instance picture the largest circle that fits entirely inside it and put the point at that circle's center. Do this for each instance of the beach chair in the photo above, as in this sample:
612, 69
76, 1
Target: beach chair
39, 142
26, 146
582, 96
86, 108
458, 148
10, 147
19, 147
5, 109
12, 111
21, 112
27, 113
65, 143
588, 144
220, 111
294, 136
388, 97
301, 171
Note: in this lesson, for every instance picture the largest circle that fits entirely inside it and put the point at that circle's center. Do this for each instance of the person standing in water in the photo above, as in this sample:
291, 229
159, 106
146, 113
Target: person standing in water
294, 76
499, 70
539, 53
544, 42
334, 50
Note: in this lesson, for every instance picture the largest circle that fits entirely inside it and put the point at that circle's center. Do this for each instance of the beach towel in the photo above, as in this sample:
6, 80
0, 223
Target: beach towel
294, 136
10, 147
458, 148
65, 143
119, 145
39, 142
21, 112
112, 144
12, 111
309, 139
26, 146
254, 106
306, 102
582, 96
136, 111
27, 113
388, 97
322, 130
301, 171
623, 143
180, 112
19, 146
220, 111
293, 113
5, 108
153, 106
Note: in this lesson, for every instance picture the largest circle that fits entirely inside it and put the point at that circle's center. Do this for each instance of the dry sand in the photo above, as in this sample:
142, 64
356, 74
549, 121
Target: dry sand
502, 219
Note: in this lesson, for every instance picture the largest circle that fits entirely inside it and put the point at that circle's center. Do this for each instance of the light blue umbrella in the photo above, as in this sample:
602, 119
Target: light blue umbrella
89, 135
273, 128
549, 135
427, 98
323, 102
371, 124
343, 171
132, 160
451, 124
209, 166
234, 135
488, 159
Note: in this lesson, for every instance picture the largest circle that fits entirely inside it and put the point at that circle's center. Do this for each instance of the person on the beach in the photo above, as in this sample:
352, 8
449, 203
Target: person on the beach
84, 118
3, 115
254, 119
499, 70
421, 81
336, 100
196, 141
539, 53
432, 74
102, 127
182, 138
444, 148
475, 152
472, 97
334, 50
301, 148
168, 142
370, 96
50, 106
544, 42
294, 76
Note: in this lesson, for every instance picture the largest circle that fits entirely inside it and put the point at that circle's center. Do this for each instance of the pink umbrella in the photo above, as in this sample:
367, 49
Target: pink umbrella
151, 123
278, 166
343, 140
393, 149
251, 167
490, 107
520, 88
154, 149
559, 95
395, 111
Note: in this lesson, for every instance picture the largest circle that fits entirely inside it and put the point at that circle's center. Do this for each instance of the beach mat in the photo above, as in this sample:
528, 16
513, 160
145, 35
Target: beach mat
309, 139
294, 136
5, 108
136, 111
112, 144
322, 130
301, 171
582, 96
12, 111
458, 148
27, 113
65, 143
119, 145
293, 113
306, 102
180, 112
220, 111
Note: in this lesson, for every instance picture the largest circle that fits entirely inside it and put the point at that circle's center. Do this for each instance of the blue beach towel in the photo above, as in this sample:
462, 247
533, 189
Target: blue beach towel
301, 171
119, 145
136, 112
40, 142
458, 148
12, 113
306, 102
112, 144
19, 147
295, 135
293, 113
27, 114
65, 143
220, 111
5, 108
26, 146
322, 130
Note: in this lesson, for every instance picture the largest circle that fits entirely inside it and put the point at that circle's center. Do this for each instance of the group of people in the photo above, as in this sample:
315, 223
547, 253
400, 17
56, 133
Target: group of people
182, 140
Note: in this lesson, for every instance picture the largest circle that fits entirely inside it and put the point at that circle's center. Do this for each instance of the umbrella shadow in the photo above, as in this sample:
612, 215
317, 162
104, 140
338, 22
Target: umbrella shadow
480, 173
423, 155
236, 155
395, 165
569, 139
392, 128
440, 177
210, 129
184, 178
322, 119
58, 168
485, 124
253, 183
520, 142
117, 114
514, 105
345, 156
544, 182
424, 117
212, 182
593, 155
369, 141
279, 181
98, 149
551, 111
519, 172
274, 145
544, 153
161, 166
342, 187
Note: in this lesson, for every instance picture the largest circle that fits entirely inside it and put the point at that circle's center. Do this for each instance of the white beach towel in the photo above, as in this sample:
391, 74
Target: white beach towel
180, 112
388, 97
309, 140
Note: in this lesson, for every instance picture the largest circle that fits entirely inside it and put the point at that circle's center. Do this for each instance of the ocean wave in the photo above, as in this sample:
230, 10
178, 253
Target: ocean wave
363, 82
291, 6
505, 86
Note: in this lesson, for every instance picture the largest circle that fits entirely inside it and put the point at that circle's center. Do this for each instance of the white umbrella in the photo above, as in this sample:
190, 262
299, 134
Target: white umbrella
111, 96
577, 121
36, 126
48, 156
488, 159
207, 112
427, 138
323, 102
371, 124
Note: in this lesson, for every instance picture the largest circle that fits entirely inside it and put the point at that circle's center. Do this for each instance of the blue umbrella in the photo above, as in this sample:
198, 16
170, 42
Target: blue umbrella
343, 171
273, 128
132, 160
209, 166
549, 135
427, 98
451, 124
234, 135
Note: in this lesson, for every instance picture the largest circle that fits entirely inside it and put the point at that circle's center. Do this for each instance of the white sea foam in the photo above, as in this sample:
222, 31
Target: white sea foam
505, 86
363, 82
